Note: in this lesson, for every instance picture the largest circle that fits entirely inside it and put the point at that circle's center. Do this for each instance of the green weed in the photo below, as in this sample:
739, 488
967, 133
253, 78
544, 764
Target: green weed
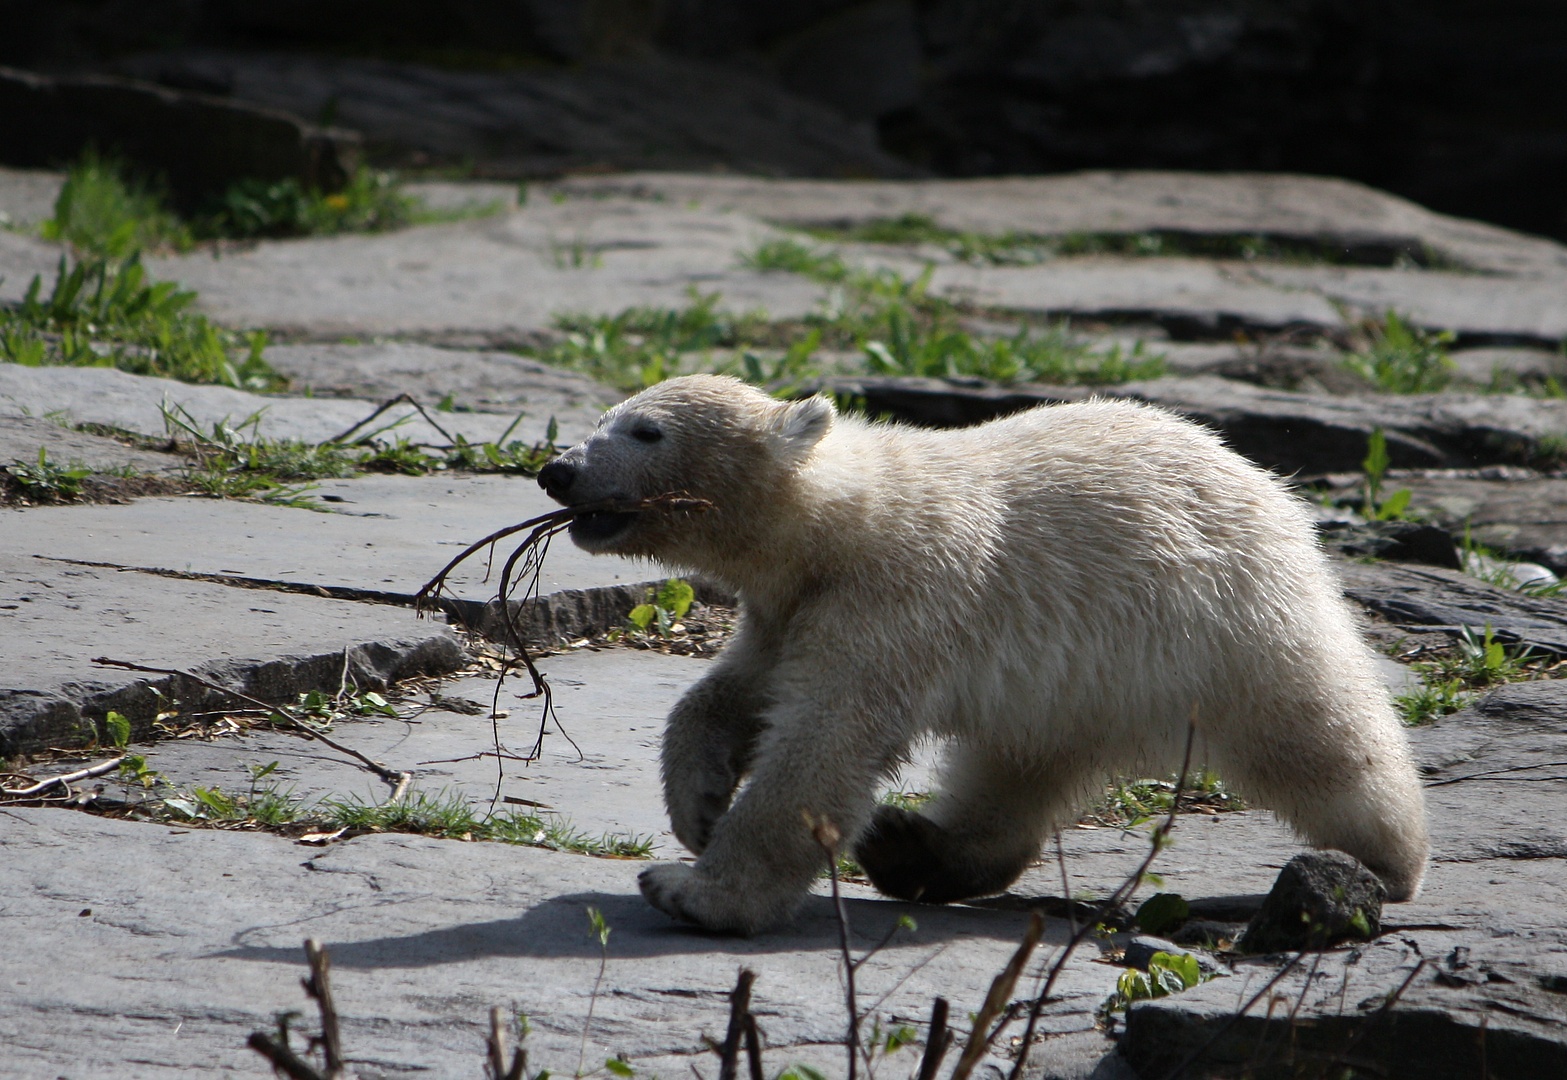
1374, 469
1401, 358
1128, 803
791, 256
233, 461
1167, 974
103, 213
449, 816
1020, 248
641, 346
45, 482
370, 202
103, 313
1478, 662
663, 609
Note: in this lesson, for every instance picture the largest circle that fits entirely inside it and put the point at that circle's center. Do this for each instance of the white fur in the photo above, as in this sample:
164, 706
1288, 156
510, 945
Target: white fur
1058, 593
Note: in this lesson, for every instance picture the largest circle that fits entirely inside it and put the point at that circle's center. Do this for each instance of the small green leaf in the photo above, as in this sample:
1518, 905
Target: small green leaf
676, 597
642, 616
618, 1067
119, 729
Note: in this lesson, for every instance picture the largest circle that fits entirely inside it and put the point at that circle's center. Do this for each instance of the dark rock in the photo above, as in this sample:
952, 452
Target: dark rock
1141, 949
1284, 431
864, 62
1399, 541
1378, 1009
1320, 899
557, 29
1430, 597
1515, 511
639, 110
199, 144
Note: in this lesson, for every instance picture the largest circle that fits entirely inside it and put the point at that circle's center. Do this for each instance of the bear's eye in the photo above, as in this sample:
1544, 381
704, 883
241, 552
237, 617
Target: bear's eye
646, 433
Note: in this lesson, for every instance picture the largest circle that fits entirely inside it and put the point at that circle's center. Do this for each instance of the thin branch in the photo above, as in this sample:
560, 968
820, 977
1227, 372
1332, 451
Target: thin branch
828, 836
996, 1001
937, 1041
319, 987
392, 776
739, 1012
67, 779
400, 399
1234, 1018
282, 1058
1110, 903
495, 1050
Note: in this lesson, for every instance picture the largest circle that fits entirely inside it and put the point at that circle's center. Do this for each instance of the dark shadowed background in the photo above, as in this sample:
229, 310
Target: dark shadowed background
1459, 105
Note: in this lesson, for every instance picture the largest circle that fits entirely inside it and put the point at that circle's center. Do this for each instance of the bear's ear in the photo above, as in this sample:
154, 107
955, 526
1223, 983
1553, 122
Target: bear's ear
800, 425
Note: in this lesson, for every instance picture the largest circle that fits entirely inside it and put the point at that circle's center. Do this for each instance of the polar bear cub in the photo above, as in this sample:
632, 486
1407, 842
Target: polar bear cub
1056, 595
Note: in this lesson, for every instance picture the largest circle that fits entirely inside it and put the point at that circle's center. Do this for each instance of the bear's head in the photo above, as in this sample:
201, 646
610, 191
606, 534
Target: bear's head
708, 437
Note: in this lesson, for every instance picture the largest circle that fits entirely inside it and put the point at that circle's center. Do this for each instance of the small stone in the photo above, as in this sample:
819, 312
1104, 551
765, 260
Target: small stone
1141, 949
1319, 899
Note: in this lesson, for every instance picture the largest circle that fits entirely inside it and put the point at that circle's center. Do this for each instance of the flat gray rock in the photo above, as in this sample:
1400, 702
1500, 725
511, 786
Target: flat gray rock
390, 535
424, 937
1271, 204
598, 768
1482, 948
21, 258
493, 281
55, 617
1190, 295
137, 403
491, 381
1521, 513
1429, 597
27, 197
1477, 307
22, 437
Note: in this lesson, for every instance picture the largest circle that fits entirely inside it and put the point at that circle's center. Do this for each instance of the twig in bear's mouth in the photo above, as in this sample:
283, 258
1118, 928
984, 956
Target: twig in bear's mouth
530, 553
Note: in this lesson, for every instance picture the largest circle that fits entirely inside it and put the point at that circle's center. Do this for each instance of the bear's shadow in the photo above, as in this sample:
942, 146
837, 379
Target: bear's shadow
559, 928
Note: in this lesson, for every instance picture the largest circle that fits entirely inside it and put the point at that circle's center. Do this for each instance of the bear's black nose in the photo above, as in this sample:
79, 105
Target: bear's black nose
556, 477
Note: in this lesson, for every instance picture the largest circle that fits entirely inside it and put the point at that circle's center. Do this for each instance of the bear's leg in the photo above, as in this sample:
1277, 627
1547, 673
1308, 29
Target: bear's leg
1354, 790
983, 828
766, 850
708, 743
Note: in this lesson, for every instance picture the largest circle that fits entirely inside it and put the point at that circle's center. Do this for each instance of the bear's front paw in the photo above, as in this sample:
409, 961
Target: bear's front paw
696, 808
691, 896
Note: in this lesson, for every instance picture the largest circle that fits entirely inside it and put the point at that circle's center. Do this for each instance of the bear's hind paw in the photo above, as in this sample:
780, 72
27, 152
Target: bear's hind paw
686, 893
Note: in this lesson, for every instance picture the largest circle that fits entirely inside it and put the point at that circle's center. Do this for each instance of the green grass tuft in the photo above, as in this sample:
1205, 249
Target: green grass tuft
1401, 358
102, 212
106, 313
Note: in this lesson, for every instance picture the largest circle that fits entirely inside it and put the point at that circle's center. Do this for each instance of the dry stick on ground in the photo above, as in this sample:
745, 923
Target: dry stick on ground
495, 1047
68, 778
277, 1051
996, 1001
937, 1041
1109, 904
397, 778
400, 399
739, 1012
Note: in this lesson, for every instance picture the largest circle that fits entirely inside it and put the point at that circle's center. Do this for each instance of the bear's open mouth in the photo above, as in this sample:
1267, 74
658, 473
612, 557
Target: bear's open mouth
600, 527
